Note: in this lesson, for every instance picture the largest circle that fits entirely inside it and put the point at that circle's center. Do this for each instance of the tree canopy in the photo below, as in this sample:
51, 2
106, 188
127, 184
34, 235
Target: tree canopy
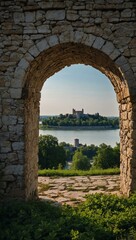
80, 161
51, 154
107, 157
86, 120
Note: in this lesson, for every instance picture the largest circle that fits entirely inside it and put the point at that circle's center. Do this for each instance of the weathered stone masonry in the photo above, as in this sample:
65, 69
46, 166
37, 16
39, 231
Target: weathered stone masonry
39, 38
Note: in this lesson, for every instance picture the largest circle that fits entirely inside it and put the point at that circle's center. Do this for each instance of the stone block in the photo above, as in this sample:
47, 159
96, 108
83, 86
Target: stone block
133, 52
34, 51
55, 15
12, 157
42, 45
18, 17
20, 120
18, 77
14, 170
121, 61
28, 43
126, 13
3, 185
108, 48
124, 115
18, 128
72, 15
16, 93
5, 146
17, 146
98, 20
132, 60
45, 4
30, 17
8, 178
28, 57
90, 40
9, 120
14, 56
78, 36
40, 15
0, 123
59, 4
66, 36
24, 64
98, 43
43, 29
53, 40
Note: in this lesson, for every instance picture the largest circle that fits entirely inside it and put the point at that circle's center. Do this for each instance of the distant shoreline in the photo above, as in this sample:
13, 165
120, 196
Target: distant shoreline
41, 127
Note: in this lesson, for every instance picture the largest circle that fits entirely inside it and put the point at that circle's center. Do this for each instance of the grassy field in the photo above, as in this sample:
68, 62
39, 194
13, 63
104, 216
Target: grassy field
65, 173
100, 217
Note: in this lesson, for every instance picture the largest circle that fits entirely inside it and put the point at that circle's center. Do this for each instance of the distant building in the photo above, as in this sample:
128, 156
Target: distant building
78, 114
76, 142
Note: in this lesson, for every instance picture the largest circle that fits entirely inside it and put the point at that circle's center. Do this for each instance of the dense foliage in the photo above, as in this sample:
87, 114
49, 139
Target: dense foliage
51, 154
86, 120
80, 161
100, 217
90, 151
107, 157
55, 155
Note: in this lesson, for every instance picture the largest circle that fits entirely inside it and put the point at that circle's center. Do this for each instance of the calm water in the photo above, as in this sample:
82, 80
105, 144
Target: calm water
88, 137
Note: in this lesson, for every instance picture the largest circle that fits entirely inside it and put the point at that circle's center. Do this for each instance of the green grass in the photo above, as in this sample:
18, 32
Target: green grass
100, 217
43, 187
66, 173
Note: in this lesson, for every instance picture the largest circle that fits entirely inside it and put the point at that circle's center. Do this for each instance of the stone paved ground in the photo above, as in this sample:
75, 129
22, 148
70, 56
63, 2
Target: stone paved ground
72, 190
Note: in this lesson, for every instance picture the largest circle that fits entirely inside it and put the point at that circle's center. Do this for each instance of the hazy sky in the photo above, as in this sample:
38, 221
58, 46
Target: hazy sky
78, 86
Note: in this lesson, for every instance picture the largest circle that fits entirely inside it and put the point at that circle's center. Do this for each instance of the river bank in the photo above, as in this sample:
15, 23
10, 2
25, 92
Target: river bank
96, 137
41, 127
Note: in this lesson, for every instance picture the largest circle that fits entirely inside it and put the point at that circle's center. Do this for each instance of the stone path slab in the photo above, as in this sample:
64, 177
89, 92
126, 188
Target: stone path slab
72, 190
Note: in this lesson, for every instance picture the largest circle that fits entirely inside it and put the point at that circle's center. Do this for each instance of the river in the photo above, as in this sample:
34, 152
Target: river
88, 137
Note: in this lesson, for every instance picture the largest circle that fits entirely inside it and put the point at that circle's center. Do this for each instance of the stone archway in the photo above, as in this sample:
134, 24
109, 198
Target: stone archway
46, 64
39, 39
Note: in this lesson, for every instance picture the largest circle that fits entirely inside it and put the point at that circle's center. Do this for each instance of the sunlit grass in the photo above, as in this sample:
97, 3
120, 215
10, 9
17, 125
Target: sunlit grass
66, 173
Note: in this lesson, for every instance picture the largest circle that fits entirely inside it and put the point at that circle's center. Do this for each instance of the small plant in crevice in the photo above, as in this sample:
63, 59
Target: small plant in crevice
43, 187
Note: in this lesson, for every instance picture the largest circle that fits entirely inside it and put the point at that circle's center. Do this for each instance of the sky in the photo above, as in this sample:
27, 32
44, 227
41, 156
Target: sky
78, 86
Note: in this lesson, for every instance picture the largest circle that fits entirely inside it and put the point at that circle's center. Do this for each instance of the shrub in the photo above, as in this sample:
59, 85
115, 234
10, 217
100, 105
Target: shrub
100, 217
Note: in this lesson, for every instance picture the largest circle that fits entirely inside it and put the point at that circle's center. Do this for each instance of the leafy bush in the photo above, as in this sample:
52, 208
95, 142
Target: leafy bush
100, 217
51, 154
80, 161
107, 157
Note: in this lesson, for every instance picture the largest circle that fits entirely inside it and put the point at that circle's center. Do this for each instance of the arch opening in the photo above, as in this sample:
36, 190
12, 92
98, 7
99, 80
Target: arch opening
45, 65
85, 89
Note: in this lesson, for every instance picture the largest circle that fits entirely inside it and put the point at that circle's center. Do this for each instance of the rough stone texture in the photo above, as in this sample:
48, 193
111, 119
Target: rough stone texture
72, 190
39, 38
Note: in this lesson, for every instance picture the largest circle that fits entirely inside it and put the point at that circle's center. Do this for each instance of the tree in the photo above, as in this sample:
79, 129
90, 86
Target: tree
51, 155
106, 157
116, 152
80, 161
89, 151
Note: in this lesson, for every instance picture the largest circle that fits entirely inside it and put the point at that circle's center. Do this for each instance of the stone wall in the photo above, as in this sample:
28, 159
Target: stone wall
39, 38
